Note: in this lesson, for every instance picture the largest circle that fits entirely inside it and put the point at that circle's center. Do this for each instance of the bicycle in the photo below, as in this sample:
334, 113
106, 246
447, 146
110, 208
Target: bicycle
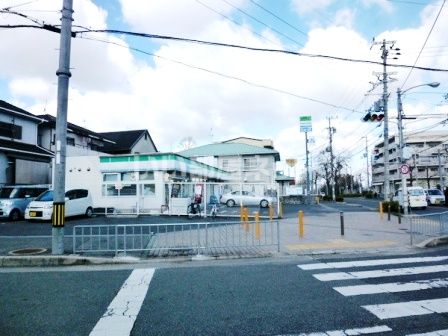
214, 210
194, 209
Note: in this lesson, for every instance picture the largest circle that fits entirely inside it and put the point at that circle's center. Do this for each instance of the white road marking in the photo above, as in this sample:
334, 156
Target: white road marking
373, 262
346, 332
410, 308
392, 287
433, 333
380, 273
122, 312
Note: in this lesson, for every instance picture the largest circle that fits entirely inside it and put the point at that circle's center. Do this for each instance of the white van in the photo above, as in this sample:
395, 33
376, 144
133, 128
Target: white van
416, 197
77, 202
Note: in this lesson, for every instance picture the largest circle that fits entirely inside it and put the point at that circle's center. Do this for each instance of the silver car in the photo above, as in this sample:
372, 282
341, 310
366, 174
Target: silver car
14, 199
246, 198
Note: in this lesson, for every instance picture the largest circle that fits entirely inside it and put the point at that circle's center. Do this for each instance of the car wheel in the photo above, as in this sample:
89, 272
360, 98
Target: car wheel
230, 203
14, 215
89, 212
264, 203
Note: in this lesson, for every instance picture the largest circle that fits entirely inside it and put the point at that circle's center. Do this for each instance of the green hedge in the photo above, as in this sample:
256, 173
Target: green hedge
394, 206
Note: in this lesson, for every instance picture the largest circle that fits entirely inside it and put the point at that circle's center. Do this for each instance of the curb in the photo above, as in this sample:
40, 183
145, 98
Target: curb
49, 261
433, 242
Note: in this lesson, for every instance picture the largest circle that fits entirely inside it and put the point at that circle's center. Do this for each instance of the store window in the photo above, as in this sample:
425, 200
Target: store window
148, 190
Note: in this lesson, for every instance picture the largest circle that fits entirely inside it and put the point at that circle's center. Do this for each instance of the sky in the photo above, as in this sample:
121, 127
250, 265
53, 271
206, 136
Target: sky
181, 90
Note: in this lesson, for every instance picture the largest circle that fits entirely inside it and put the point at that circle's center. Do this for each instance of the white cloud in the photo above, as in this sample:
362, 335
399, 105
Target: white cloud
344, 17
305, 6
384, 4
35, 88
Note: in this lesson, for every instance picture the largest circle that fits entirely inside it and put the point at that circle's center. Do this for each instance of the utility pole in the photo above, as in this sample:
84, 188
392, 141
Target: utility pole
332, 175
307, 164
440, 170
385, 97
367, 164
404, 189
63, 74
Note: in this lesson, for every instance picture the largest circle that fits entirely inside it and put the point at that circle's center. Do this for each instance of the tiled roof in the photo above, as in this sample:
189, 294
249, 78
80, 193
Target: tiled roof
24, 148
124, 141
9, 108
74, 128
228, 149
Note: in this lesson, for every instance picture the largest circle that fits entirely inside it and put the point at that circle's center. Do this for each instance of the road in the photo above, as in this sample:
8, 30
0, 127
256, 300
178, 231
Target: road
397, 296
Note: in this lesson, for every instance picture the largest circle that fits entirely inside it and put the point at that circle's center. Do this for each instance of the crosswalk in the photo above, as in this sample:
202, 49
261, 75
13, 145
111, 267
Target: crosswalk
412, 276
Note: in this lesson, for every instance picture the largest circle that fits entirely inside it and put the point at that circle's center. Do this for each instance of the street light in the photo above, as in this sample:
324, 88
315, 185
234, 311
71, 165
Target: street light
404, 199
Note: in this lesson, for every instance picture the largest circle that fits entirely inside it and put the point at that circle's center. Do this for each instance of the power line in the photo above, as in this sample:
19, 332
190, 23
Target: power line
424, 44
223, 75
279, 18
234, 21
262, 23
219, 44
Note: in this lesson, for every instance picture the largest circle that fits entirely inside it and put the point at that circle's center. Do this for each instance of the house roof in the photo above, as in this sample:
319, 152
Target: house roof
11, 109
124, 140
75, 128
229, 149
25, 149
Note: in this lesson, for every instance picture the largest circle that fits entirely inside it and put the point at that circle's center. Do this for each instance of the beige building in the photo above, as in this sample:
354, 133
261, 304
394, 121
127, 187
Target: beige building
426, 154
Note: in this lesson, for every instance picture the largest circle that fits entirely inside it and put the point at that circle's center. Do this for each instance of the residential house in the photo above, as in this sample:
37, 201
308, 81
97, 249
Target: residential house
22, 159
129, 142
246, 163
80, 141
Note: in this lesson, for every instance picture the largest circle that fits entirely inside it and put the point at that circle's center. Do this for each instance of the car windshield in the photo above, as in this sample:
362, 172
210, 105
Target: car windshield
8, 192
416, 192
46, 196
434, 192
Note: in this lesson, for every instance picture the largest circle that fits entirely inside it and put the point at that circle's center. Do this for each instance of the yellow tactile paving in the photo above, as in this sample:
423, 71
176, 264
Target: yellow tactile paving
340, 244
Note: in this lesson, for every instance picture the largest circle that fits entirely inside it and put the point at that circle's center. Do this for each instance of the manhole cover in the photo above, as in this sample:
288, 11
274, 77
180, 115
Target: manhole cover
28, 251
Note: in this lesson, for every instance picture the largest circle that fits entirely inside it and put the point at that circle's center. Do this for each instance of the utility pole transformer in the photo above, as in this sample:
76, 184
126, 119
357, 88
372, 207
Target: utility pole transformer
63, 74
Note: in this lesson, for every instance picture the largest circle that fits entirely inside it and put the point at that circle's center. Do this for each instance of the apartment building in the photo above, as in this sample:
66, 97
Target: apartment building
426, 154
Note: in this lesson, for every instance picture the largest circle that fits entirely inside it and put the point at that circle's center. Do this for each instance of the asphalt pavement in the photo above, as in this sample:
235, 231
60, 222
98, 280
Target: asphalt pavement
363, 229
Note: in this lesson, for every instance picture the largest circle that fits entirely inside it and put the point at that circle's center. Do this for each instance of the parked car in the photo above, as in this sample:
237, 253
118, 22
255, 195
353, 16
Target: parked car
77, 202
416, 197
246, 198
434, 197
15, 198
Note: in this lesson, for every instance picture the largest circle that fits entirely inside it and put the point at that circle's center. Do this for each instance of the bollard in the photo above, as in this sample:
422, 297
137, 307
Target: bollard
246, 219
388, 212
381, 210
280, 211
241, 214
399, 218
341, 214
301, 224
257, 226
271, 212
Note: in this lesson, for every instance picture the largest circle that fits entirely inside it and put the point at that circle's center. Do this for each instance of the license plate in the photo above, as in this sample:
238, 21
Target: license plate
32, 214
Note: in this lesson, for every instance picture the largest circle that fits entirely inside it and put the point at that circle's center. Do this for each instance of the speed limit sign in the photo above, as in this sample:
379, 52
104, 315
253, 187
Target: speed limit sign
404, 169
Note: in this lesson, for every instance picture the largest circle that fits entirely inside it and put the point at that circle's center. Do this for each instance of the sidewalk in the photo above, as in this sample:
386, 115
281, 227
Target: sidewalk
363, 232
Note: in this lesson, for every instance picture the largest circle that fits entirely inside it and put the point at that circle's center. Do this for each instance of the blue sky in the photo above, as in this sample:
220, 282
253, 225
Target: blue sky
215, 93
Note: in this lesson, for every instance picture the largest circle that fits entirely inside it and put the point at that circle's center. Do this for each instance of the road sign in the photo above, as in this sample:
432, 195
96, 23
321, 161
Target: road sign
305, 124
404, 169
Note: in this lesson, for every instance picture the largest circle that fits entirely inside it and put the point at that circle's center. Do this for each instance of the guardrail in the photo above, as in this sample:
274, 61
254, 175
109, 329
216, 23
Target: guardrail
426, 226
215, 238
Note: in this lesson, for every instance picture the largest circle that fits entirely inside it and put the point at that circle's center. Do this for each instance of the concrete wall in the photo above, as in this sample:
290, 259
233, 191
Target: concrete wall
31, 172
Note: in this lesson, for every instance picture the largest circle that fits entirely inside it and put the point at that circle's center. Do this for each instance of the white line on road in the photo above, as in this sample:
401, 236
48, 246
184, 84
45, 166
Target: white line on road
433, 333
346, 332
392, 287
380, 273
409, 308
367, 263
122, 312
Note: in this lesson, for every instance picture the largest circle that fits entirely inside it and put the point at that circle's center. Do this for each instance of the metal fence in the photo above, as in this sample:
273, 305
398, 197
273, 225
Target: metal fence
216, 238
427, 226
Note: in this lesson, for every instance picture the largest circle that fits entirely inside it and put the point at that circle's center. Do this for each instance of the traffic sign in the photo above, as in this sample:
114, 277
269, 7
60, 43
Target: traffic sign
404, 169
305, 124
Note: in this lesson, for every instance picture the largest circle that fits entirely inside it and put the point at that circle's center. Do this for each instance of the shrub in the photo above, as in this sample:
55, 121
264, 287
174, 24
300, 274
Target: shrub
339, 199
394, 206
